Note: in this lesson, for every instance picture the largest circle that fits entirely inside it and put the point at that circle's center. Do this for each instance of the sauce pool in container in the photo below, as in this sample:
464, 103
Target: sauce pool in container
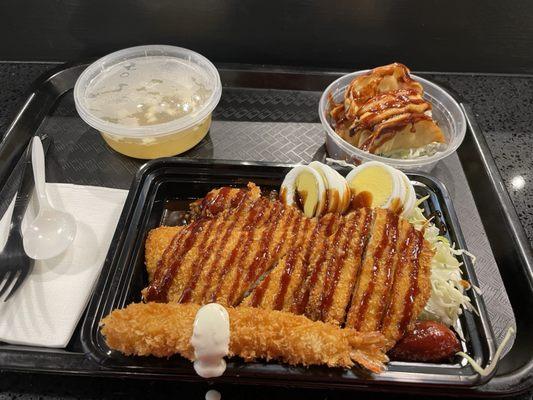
149, 101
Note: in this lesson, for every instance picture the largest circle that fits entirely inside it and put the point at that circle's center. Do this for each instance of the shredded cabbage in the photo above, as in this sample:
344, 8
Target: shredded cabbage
448, 288
418, 152
447, 299
489, 369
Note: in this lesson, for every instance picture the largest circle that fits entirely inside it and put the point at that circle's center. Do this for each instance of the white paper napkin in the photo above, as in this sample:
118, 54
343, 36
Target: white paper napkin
48, 306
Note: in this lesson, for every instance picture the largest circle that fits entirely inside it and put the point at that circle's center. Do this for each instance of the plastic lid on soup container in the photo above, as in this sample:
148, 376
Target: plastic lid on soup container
147, 91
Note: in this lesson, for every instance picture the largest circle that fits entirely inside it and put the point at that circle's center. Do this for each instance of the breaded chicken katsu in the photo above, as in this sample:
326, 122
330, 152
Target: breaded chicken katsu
367, 270
333, 290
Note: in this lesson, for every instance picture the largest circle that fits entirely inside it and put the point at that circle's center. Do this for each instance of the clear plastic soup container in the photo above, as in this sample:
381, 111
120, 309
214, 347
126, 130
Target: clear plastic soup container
149, 101
445, 110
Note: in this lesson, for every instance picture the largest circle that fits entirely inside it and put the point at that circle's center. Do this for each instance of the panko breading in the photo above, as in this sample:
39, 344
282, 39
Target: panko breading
367, 302
218, 258
163, 330
157, 241
226, 249
224, 198
368, 270
215, 202
411, 287
321, 285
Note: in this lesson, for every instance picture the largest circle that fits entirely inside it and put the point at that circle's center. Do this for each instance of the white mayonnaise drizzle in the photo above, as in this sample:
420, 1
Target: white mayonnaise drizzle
210, 339
213, 395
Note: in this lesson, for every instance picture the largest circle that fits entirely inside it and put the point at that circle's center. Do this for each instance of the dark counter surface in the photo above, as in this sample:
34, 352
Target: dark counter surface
503, 107
26, 387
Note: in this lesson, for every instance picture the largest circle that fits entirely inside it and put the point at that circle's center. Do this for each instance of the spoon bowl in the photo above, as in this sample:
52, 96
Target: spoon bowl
49, 235
52, 231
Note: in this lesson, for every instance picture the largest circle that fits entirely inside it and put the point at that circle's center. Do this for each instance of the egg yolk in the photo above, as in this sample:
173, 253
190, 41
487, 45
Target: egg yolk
307, 192
375, 180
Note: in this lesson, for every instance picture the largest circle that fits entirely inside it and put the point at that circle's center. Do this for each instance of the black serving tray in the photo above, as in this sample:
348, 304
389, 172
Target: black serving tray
166, 186
281, 105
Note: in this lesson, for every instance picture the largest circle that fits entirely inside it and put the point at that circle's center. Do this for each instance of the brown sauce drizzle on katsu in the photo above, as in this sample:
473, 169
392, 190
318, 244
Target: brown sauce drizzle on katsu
368, 269
360, 200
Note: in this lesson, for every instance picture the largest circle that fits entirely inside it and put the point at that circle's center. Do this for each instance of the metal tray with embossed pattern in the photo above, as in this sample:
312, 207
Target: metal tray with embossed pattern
271, 115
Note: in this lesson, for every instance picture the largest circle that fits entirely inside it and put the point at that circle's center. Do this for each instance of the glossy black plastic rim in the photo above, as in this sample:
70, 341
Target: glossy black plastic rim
112, 289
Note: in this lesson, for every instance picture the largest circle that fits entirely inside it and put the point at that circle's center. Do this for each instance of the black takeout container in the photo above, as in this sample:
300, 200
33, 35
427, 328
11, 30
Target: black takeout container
160, 193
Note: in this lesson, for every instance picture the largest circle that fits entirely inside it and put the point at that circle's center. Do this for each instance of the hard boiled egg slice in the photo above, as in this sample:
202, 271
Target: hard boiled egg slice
304, 188
374, 184
409, 195
337, 190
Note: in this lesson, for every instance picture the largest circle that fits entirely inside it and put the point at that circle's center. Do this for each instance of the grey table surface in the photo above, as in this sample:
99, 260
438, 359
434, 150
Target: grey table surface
503, 109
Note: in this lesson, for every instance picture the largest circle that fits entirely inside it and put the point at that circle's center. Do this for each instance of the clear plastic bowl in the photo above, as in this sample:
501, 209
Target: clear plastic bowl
155, 64
445, 111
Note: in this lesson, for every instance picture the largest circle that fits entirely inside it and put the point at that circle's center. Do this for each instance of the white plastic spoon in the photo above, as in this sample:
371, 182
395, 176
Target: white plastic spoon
52, 231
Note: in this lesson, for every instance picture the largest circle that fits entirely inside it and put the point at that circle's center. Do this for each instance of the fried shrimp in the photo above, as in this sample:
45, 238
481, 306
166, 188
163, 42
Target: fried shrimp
163, 330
